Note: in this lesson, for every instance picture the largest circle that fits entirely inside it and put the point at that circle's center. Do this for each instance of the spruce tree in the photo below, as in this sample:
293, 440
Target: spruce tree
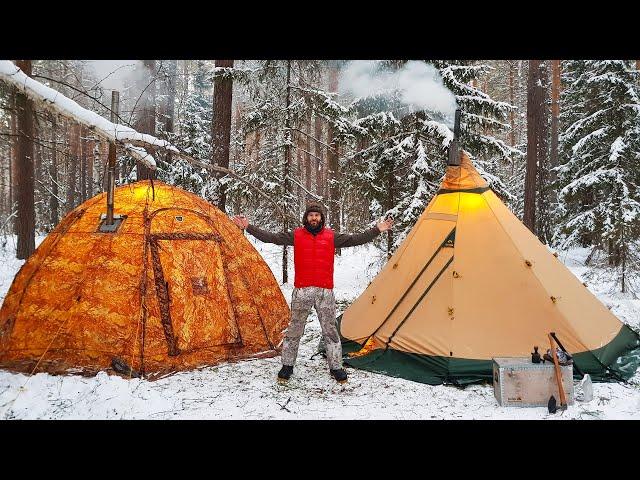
600, 156
266, 111
405, 158
193, 136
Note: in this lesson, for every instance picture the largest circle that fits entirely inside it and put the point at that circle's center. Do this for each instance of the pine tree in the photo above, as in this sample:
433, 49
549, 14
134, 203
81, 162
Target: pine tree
600, 156
507, 81
24, 180
221, 124
280, 98
146, 111
167, 71
267, 117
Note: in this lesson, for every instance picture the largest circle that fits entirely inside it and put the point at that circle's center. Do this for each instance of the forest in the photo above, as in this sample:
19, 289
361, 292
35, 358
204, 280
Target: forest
558, 141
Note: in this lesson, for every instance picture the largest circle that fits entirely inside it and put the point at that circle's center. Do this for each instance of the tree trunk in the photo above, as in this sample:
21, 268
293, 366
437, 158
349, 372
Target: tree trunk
307, 157
146, 122
170, 109
543, 187
554, 161
256, 143
91, 161
622, 254
287, 168
391, 185
83, 164
167, 86
221, 124
3, 185
72, 173
3, 196
182, 91
104, 166
555, 110
13, 161
53, 174
512, 101
533, 112
24, 172
318, 153
236, 153
299, 143
332, 164
37, 164
63, 175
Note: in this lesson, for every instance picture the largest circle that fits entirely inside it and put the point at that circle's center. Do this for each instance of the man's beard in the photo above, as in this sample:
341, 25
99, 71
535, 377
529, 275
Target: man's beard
314, 228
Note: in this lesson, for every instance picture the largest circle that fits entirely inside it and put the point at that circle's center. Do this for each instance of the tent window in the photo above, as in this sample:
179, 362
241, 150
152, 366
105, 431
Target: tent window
179, 218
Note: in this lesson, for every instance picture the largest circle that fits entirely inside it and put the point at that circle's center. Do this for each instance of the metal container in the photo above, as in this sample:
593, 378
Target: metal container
517, 382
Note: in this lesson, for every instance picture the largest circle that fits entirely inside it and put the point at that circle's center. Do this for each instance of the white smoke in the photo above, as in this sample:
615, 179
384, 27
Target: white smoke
418, 84
116, 74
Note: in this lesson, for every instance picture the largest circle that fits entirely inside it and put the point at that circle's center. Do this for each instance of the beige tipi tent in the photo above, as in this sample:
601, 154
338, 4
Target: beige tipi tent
469, 283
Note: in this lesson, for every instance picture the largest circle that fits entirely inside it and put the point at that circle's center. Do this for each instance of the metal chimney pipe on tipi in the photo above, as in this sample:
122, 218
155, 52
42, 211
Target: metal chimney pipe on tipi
454, 149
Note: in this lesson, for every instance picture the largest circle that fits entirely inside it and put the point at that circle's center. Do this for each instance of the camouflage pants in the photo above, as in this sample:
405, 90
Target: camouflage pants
323, 300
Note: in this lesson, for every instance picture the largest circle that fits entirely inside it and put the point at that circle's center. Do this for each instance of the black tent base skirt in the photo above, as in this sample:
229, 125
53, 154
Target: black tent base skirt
616, 361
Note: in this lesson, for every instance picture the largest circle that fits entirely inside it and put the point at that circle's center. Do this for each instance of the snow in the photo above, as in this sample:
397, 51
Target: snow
595, 135
140, 154
248, 390
62, 105
617, 149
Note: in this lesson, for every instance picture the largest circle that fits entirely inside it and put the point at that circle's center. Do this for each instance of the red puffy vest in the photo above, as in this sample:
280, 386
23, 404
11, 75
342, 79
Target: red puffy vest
313, 258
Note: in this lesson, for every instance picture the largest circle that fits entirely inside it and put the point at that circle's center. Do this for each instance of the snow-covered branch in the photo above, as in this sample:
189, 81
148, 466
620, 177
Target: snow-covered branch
132, 141
57, 103
140, 154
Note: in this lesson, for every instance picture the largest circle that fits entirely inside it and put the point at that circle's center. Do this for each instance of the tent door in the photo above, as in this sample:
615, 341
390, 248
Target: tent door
191, 287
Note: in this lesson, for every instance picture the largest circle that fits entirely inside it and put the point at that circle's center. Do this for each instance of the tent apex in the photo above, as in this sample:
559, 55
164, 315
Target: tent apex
463, 177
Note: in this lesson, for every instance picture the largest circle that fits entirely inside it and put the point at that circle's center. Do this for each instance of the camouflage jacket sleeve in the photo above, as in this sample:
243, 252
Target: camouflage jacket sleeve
268, 237
342, 240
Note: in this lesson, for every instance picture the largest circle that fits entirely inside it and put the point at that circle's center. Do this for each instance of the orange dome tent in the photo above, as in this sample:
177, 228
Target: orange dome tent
177, 286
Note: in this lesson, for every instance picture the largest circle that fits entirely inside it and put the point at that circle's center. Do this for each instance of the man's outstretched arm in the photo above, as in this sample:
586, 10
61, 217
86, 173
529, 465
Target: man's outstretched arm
342, 240
262, 235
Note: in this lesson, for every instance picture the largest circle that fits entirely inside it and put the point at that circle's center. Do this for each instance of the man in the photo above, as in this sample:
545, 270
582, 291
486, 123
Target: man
313, 251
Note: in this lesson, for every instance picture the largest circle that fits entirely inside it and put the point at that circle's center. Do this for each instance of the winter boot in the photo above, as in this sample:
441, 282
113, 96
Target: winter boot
340, 375
285, 373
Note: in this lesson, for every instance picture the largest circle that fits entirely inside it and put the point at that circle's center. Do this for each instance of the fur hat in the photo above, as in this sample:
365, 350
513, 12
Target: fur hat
313, 206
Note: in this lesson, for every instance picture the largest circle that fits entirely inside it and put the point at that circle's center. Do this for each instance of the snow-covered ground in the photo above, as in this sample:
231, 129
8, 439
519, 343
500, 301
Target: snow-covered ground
248, 390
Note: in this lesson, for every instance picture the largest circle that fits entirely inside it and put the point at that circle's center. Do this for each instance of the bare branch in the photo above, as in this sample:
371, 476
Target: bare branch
50, 192
314, 138
216, 168
80, 91
309, 153
303, 188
